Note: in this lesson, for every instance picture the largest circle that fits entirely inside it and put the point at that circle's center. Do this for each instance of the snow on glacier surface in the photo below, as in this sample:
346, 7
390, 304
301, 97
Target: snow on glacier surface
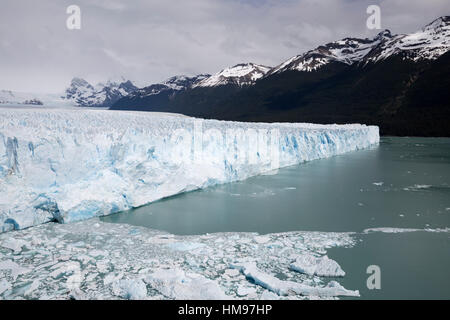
70, 165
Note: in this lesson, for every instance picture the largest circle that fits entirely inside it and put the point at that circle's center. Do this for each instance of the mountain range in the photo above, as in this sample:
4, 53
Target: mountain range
398, 82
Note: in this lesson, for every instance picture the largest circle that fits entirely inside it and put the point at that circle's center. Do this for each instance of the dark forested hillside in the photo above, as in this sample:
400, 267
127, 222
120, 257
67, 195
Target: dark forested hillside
398, 82
401, 96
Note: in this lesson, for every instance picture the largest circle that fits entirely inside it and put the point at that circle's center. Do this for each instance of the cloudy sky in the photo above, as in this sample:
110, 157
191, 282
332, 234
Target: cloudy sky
149, 41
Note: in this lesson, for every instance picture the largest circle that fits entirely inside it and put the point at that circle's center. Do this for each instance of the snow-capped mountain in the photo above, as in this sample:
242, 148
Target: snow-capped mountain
347, 50
183, 82
429, 43
84, 94
173, 84
399, 82
79, 93
240, 74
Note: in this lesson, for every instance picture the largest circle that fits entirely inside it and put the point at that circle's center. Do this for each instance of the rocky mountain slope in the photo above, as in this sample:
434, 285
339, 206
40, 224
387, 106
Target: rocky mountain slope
82, 93
399, 82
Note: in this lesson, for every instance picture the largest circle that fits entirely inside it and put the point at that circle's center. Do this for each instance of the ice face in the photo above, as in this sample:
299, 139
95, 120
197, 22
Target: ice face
71, 165
97, 260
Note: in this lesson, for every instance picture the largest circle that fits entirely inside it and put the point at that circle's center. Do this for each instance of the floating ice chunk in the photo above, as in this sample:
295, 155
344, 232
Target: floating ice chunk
285, 288
77, 294
98, 253
267, 295
176, 284
231, 272
417, 187
391, 230
133, 289
438, 230
102, 266
245, 291
64, 267
261, 239
422, 186
401, 230
13, 244
15, 269
112, 277
185, 246
4, 286
319, 266
378, 183
34, 285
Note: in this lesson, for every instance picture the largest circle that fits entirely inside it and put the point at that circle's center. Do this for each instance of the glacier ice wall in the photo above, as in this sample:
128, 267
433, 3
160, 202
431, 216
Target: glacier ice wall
70, 165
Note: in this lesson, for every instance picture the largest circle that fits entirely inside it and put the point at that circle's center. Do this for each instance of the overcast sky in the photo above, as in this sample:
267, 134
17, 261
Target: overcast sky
149, 41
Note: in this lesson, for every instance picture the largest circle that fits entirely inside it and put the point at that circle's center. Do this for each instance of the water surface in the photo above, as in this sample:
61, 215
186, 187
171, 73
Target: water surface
402, 183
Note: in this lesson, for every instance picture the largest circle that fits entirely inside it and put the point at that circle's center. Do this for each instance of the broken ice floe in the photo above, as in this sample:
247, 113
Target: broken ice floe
285, 287
97, 260
320, 266
403, 230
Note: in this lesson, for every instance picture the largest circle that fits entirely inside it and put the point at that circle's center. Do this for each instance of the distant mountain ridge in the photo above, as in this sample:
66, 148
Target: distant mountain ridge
399, 82
162, 93
428, 43
9, 97
82, 93
79, 93
241, 75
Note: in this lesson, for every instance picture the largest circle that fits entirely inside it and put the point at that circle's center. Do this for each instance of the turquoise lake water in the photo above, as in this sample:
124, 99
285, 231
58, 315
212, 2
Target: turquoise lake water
402, 183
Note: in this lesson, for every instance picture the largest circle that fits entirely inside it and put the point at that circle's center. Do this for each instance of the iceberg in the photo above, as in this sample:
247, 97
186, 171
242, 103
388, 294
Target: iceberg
319, 266
68, 165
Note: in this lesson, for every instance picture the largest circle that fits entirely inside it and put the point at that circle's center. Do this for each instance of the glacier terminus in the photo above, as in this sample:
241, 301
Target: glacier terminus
68, 165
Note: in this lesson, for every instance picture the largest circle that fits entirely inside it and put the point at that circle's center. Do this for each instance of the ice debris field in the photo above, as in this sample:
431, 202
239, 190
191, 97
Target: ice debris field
92, 259
97, 260
70, 165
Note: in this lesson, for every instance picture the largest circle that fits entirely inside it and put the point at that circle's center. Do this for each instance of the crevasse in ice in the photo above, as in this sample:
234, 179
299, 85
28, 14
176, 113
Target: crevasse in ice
70, 165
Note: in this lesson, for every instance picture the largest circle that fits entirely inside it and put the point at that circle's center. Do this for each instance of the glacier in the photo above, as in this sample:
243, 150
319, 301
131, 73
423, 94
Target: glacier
68, 165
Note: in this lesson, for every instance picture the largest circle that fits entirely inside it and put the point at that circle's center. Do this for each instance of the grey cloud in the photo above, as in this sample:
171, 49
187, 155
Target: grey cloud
149, 41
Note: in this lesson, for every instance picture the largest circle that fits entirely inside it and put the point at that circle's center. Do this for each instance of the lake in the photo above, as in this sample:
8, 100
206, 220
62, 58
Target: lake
402, 183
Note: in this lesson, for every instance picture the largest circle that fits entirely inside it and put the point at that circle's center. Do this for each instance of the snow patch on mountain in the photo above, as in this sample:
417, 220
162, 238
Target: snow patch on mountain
171, 85
240, 74
82, 93
347, 50
429, 43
